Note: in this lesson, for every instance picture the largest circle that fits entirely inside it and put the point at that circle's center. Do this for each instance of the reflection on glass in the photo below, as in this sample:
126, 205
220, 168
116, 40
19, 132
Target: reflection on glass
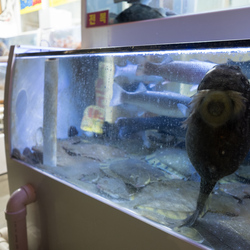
111, 124
121, 11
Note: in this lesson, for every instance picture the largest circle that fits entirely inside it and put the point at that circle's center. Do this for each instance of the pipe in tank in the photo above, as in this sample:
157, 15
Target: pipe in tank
50, 112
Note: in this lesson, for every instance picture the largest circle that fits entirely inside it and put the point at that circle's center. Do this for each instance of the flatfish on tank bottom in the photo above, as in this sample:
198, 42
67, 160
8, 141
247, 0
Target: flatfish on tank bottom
115, 188
91, 150
174, 162
178, 196
218, 138
237, 190
78, 147
243, 174
134, 172
223, 232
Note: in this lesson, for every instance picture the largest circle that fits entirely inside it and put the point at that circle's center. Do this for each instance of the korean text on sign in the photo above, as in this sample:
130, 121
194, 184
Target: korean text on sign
97, 18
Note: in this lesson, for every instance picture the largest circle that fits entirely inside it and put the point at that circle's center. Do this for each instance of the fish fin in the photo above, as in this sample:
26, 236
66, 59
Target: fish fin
120, 120
194, 87
158, 86
165, 82
141, 88
117, 71
197, 99
130, 63
190, 220
146, 141
183, 109
239, 102
140, 113
194, 104
151, 86
208, 61
123, 71
117, 92
168, 59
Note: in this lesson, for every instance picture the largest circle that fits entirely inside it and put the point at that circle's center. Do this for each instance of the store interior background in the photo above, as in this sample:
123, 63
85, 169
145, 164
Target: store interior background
57, 24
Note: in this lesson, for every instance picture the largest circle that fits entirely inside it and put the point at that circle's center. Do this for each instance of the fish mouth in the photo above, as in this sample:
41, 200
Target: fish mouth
217, 107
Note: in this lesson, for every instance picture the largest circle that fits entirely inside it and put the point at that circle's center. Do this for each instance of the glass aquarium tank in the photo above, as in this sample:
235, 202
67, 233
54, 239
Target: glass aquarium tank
114, 123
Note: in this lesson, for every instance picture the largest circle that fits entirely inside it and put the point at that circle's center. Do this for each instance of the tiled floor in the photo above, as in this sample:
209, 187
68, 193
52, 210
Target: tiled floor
4, 196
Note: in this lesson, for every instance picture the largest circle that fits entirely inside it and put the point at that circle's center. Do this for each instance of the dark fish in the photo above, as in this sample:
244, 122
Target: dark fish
137, 12
218, 132
190, 72
162, 103
169, 125
131, 74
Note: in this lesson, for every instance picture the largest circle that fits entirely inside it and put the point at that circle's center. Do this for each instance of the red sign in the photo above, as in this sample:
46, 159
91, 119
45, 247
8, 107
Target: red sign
97, 18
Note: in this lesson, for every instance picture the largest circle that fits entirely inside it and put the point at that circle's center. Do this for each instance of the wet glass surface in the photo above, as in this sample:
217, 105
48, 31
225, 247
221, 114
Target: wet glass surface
111, 124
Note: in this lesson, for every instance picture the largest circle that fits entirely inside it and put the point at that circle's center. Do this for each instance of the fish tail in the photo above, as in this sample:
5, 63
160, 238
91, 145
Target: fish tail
117, 71
117, 94
141, 88
183, 108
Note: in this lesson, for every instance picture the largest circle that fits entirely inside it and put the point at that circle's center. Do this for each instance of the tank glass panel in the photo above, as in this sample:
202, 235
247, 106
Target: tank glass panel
113, 124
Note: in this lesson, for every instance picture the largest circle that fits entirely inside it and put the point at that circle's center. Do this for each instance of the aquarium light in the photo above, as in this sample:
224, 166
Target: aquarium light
179, 52
136, 53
